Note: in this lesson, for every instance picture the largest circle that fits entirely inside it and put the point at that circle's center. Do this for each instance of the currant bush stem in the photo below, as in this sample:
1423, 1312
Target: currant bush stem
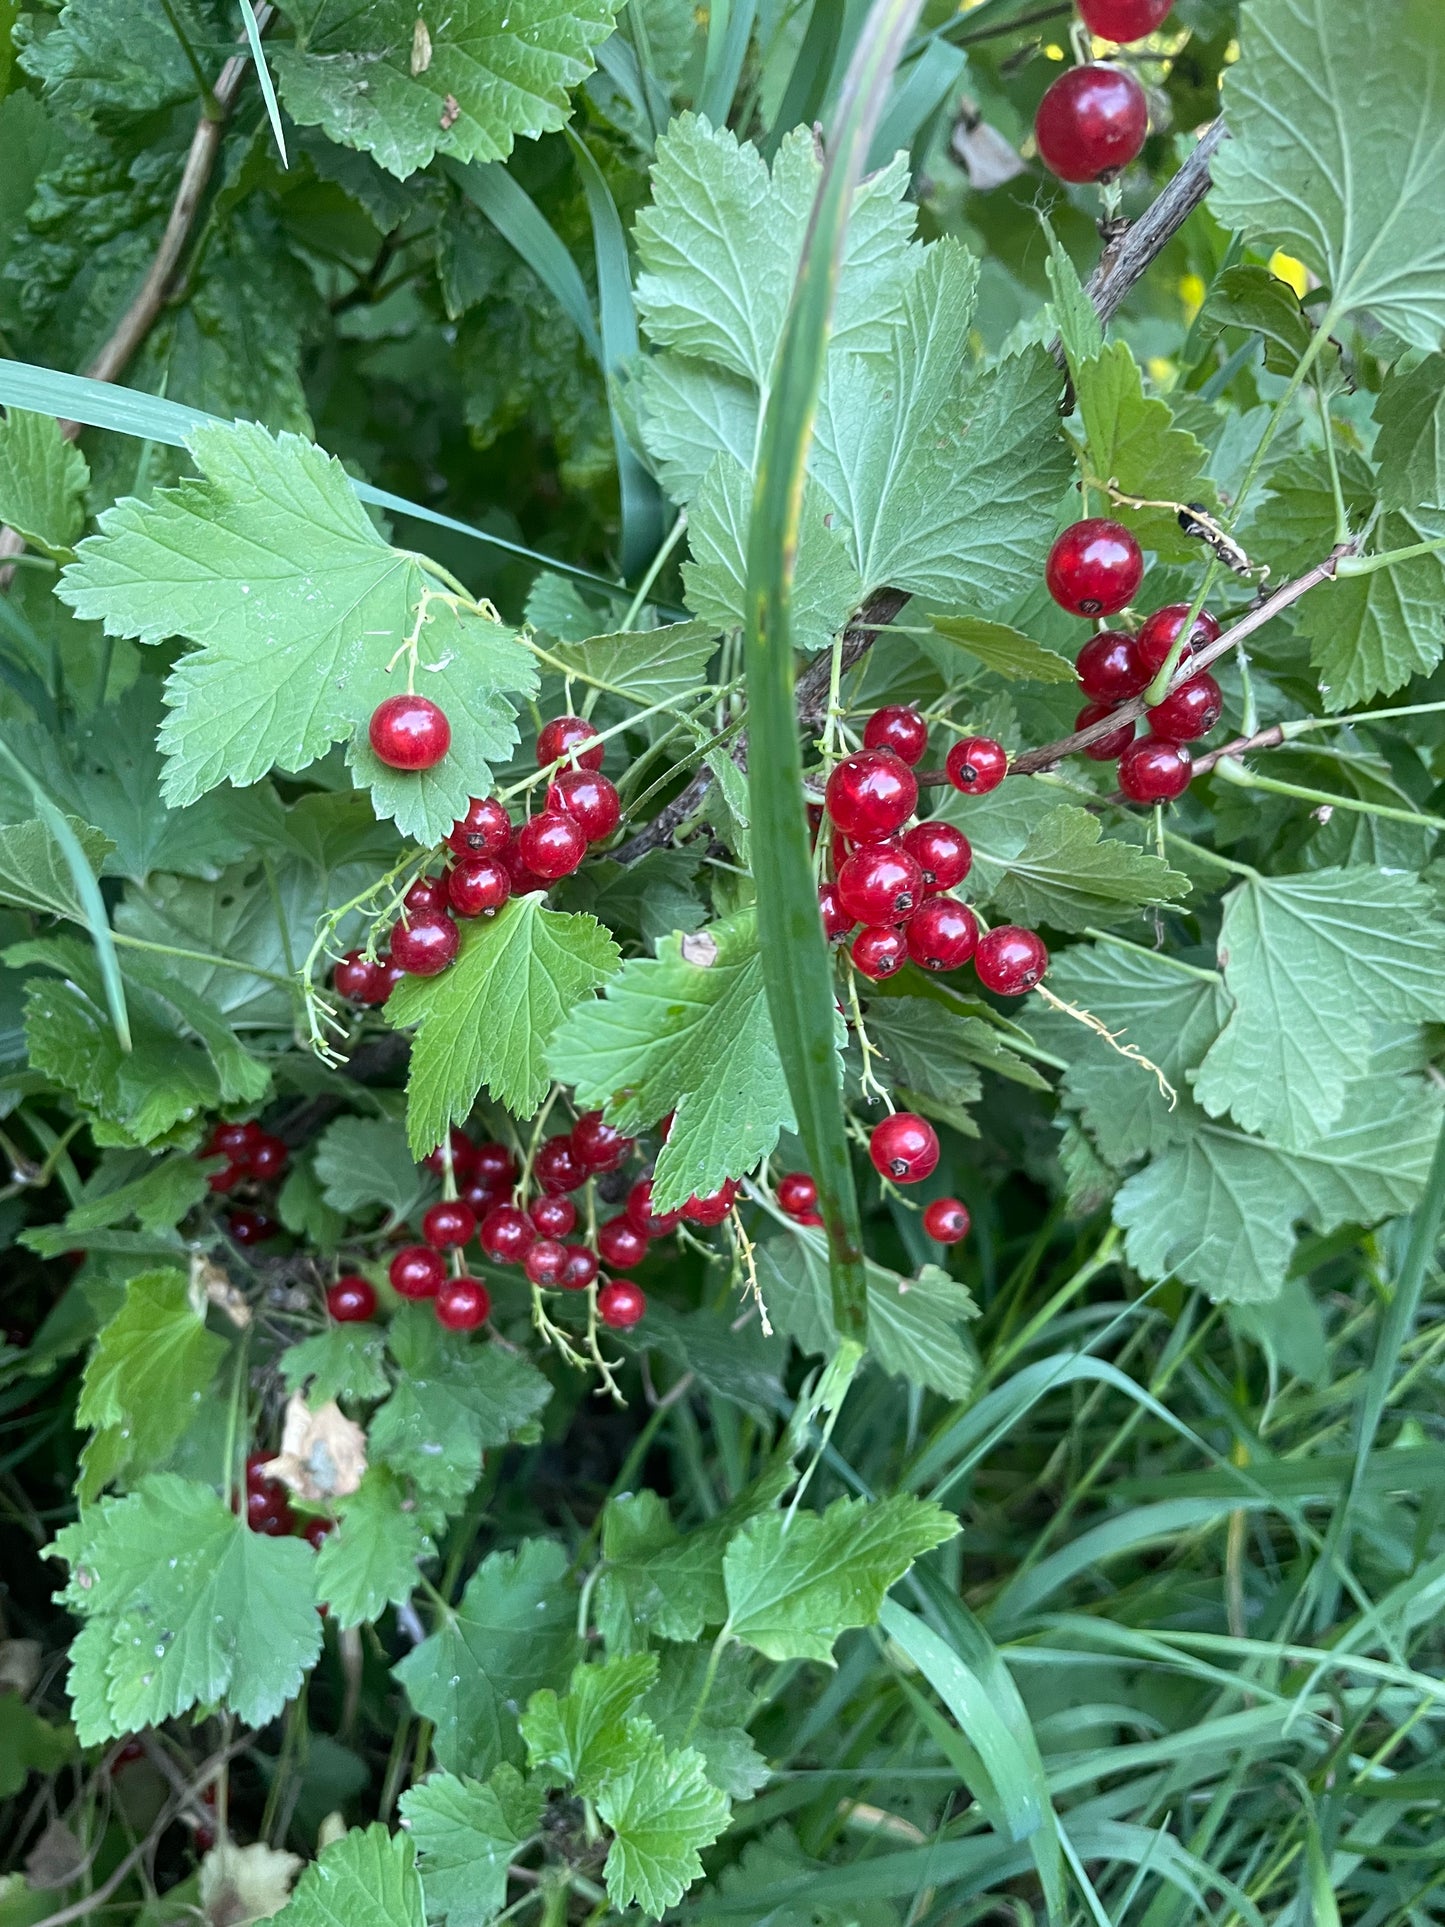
1155, 956
1233, 771
1353, 565
1212, 856
655, 568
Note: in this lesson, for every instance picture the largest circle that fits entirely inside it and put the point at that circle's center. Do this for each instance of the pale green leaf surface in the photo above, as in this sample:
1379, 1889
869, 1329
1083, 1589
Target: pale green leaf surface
1069, 874
34, 874
1410, 447
344, 1361
370, 1561
584, 1736
28, 1744
367, 1878
1134, 444
648, 665
661, 1810
467, 1832
1005, 650
690, 412
43, 479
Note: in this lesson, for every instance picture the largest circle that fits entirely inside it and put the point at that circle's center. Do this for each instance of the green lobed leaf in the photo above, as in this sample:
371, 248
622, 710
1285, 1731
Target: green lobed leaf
28, 1744
43, 479
370, 1561
1410, 446
367, 1878
655, 1578
467, 1832
719, 1730
939, 1052
1004, 650
648, 665
159, 1198
1134, 444
363, 1161
584, 1736
34, 874
661, 1810
1251, 297
344, 1361
1069, 874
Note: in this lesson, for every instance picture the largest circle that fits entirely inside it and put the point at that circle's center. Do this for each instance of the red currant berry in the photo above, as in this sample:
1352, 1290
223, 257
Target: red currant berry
977, 765
871, 794
227, 1179
551, 845
426, 896
1151, 771
394, 973
840, 848
620, 1244
409, 732
259, 1481
479, 886
904, 1147
946, 1220
463, 1304
481, 1194
1186, 714
352, 1299
879, 952
797, 1194
525, 882
713, 1208
424, 946
557, 1167
1010, 960
600, 1145
251, 1227
881, 883
1149, 650
836, 921
464, 1157
621, 1304
127, 1754
897, 727
943, 853
580, 1269
1107, 670
317, 1531
943, 934
507, 1234
589, 799
269, 1156
1123, 20
483, 831
449, 1222
495, 1164
416, 1272
553, 1217
360, 980
233, 1141
545, 1261
1104, 749
273, 1517
642, 1217
1095, 567
564, 736
1091, 123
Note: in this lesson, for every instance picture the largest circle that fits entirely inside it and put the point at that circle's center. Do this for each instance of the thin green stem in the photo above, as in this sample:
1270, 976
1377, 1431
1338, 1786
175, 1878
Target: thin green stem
1154, 956
1351, 565
198, 956
655, 567
210, 106
1235, 772
1212, 856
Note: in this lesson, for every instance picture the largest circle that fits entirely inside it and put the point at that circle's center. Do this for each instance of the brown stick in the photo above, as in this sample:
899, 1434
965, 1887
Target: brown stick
1126, 257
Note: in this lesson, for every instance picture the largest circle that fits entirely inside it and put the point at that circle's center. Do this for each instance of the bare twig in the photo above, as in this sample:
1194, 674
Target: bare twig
1126, 257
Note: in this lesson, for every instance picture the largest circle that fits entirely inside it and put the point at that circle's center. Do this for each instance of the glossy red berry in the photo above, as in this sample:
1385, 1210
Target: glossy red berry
259, 1481
317, 1531
426, 945
270, 1516
1123, 20
1091, 123
943, 853
1149, 650
352, 1299
943, 934
712, 1208
394, 973
409, 732
589, 799
977, 765
463, 1304
871, 794
898, 727
946, 1220
797, 1194
879, 952
551, 845
1095, 567
360, 979
227, 1178
600, 1145
1108, 672
880, 884
904, 1147
235, 1141
426, 896
416, 1272
464, 1155
251, 1227
127, 1753
524, 881
580, 1269
836, 921
620, 1244
553, 1217
545, 1261
1186, 713
481, 1194
1151, 771
641, 1215
557, 1167
564, 736
269, 1156
483, 831
621, 1304
494, 1163
1104, 748
479, 886
506, 1234
1010, 960
449, 1222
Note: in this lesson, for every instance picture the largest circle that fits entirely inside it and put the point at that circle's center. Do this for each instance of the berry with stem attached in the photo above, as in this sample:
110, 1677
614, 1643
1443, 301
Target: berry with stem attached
621, 1304
352, 1299
976, 765
565, 736
1108, 671
943, 853
479, 886
361, 979
589, 799
1010, 960
494, 1163
879, 884
416, 1272
425, 897
483, 831
463, 1304
1105, 748
904, 1147
425, 946
899, 727
871, 794
836, 921
463, 1155
409, 732
1123, 20
251, 1227
1091, 123
943, 934
1188, 712
600, 1145
551, 845
506, 1234
1151, 771
1095, 567
1149, 650
879, 952
946, 1220
449, 1222
714, 1206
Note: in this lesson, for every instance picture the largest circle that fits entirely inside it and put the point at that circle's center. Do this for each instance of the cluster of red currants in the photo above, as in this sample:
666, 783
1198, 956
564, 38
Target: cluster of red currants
268, 1507
897, 1142
251, 1153
491, 858
1095, 569
1093, 119
895, 882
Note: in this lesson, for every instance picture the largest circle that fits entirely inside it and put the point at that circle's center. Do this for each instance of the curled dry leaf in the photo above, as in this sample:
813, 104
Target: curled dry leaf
211, 1285
242, 1884
323, 1454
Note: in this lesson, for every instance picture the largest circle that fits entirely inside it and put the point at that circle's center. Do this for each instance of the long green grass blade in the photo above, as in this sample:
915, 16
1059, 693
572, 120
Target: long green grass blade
263, 77
730, 27
525, 228
796, 967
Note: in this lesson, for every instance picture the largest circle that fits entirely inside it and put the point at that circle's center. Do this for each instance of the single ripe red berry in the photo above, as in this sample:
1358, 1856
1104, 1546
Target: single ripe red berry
1186, 713
360, 979
1010, 960
479, 886
943, 853
416, 1272
1095, 566
268, 1515
463, 1304
317, 1531
713, 1208
234, 1141
1108, 672
227, 1178
449, 1222
879, 952
621, 1304
797, 1194
464, 1156
943, 934
589, 799
269, 1156
600, 1145
620, 1244
977, 765
580, 1269
1149, 650
409, 732
495, 1163
426, 945
127, 1753
1123, 20
483, 831
506, 1234
836, 921
1091, 123
904, 1147
426, 896
545, 1261
352, 1299
524, 881
557, 1167
1152, 771
481, 1194
871, 794
946, 1220
564, 736
643, 1218
259, 1481
880, 884
551, 845
394, 973
1104, 748
898, 727
251, 1227
553, 1217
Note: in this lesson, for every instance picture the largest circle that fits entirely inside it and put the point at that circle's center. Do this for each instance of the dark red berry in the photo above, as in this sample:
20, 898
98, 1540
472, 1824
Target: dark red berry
1186, 714
580, 1269
251, 1227
1149, 650
483, 831
871, 794
600, 1145
642, 1216
943, 853
977, 765
545, 1261
464, 1157
506, 1233
1152, 771
416, 1272
352, 1299
227, 1178
495, 1163
259, 1481
836, 921
564, 736
620, 1244
621, 1304
1123, 20
127, 1753
463, 1304
551, 845
1010, 960
426, 945
269, 1515
449, 1222
1091, 123
1095, 566
713, 1207
481, 1194
797, 1194
1104, 748
426, 896
840, 848
589, 799
879, 952
269, 1156
479, 886
317, 1531
946, 1220
233, 1141
880, 884
553, 1217
360, 979
409, 732
1108, 672
942, 934
897, 727
904, 1147
524, 881
394, 973
557, 1167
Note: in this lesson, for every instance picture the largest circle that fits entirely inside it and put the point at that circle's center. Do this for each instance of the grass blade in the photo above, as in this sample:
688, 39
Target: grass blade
525, 228
730, 27
263, 76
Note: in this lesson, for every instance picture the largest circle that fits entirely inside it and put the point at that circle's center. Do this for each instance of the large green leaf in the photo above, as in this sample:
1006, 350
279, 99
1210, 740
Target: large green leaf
661, 1810
1069, 874
467, 1832
42, 480
367, 1878
370, 1561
